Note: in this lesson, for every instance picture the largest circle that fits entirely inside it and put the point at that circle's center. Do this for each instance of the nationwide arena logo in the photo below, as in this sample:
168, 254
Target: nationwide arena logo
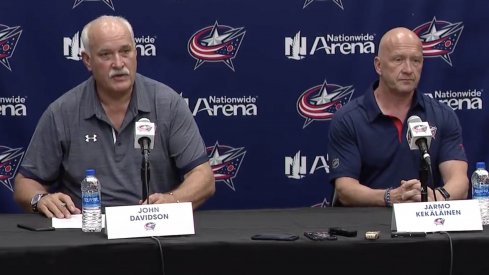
439, 38
13, 106
73, 46
298, 46
225, 162
218, 43
224, 106
107, 2
10, 159
322, 101
339, 3
9, 36
464, 99
297, 167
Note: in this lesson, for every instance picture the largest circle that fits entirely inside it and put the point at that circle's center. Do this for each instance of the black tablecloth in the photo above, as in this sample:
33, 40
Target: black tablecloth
222, 245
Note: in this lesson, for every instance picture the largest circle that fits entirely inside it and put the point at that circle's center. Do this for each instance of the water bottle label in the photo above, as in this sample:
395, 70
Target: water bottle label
91, 200
481, 192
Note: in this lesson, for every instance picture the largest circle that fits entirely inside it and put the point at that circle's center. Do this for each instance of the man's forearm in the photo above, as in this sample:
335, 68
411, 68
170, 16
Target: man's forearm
25, 189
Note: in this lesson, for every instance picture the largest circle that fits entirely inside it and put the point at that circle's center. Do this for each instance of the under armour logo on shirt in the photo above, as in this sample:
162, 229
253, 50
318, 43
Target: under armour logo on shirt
90, 138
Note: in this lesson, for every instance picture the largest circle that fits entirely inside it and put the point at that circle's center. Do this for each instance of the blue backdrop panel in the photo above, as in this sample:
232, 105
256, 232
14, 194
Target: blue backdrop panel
262, 78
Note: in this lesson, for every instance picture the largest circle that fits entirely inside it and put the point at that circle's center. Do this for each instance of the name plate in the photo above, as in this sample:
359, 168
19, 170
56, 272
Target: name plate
456, 215
149, 220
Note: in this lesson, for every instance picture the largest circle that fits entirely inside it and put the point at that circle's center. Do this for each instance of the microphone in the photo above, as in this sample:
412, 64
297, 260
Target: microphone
144, 134
419, 136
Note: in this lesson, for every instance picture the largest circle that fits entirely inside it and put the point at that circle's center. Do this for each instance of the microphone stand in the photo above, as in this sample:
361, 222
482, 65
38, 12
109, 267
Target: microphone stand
423, 177
426, 175
145, 174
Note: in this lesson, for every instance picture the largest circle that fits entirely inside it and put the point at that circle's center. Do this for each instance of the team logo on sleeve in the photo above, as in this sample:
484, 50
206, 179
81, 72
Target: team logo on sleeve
339, 3
322, 101
107, 2
218, 43
225, 162
439, 38
9, 163
9, 36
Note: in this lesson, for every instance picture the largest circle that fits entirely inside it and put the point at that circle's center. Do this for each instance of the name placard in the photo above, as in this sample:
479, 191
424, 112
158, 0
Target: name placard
149, 220
456, 215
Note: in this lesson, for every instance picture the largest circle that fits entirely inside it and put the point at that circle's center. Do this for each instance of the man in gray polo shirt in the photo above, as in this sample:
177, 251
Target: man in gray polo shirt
92, 126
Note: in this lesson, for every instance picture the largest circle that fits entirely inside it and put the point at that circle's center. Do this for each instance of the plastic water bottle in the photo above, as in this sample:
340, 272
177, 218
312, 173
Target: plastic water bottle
480, 190
91, 203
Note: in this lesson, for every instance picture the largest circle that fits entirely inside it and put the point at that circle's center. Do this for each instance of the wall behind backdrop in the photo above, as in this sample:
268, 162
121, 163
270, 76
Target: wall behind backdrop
262, 78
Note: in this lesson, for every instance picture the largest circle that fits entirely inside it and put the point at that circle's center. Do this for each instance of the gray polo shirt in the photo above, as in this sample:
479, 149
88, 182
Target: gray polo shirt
75, 134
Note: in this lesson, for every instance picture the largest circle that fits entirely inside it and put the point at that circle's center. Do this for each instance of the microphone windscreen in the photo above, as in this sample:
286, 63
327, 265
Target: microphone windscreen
412, 119
144, 128
417, 129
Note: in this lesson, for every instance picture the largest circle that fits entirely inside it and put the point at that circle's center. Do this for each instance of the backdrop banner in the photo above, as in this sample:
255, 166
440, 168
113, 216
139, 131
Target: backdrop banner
262, 78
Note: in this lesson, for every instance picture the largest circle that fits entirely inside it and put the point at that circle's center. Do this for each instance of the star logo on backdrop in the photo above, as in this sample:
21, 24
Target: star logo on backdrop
439, 38
217, 43
107, 2
322, 101
339, 3
10, 160
9, 36
225, 162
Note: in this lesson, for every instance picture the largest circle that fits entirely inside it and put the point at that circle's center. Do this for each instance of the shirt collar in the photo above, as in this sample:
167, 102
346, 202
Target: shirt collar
373, 109
91, 106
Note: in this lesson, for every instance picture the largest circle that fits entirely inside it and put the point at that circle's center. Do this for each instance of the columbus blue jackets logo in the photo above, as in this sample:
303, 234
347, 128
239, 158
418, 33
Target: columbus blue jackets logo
322, 101
439, 221
9, 163
149, 226
9, 36
225, 162
339, 3
439, 38
218, 43
107, 2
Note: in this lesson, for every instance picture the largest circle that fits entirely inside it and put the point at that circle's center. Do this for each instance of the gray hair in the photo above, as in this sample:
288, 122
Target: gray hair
86, 29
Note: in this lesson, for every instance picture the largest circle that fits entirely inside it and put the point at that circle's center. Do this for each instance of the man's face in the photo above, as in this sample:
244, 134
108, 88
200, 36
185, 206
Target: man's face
111, 57
402, 70
400, 65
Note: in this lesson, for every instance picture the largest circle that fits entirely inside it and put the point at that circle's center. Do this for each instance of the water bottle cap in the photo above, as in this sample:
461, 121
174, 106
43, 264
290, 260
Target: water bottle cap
481, 165
90, 172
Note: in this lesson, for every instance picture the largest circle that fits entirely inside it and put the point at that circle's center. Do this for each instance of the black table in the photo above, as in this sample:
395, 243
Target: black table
222, 245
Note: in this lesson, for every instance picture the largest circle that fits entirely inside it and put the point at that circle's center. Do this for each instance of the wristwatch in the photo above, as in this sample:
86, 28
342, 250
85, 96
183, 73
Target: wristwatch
35, 200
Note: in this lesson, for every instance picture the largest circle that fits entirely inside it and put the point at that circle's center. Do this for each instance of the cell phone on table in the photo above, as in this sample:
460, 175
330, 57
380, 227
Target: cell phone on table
36, 226
320, 236
275, 237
